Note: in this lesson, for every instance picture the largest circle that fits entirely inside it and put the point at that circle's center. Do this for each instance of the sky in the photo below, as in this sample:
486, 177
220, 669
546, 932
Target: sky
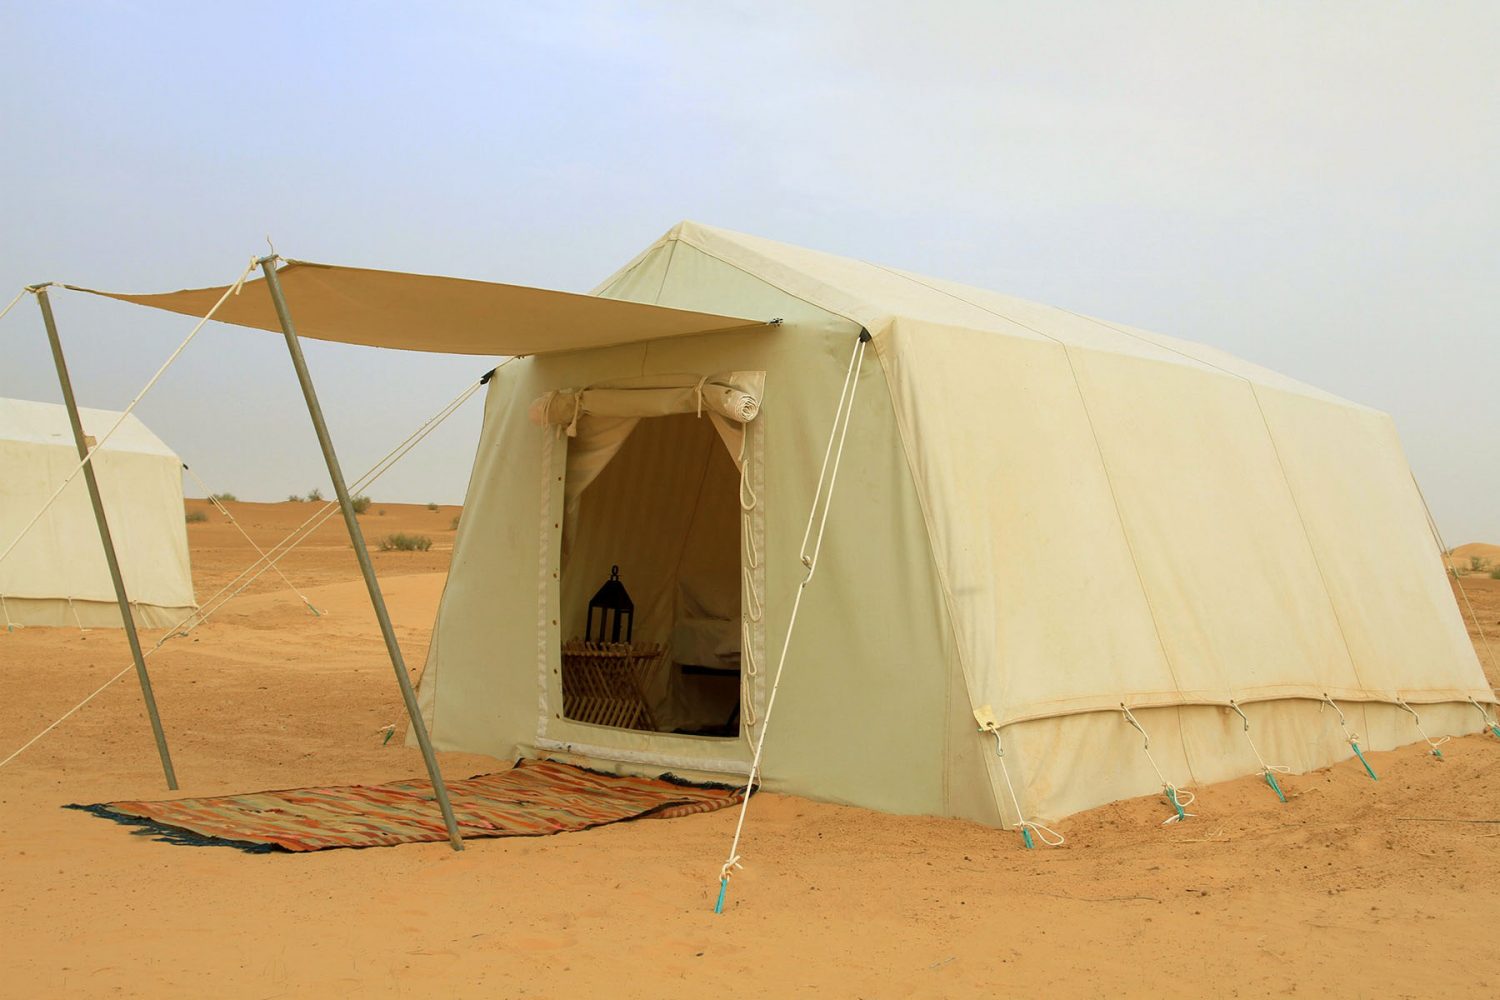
1308, 186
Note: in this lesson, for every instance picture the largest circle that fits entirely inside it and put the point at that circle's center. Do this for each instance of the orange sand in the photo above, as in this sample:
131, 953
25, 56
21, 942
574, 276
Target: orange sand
1354, 888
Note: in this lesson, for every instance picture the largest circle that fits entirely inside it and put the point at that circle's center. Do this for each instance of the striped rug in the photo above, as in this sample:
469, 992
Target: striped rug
529, 800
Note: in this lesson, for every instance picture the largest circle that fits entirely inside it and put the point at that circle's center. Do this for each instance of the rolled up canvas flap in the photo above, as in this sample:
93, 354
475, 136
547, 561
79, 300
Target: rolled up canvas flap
733, 395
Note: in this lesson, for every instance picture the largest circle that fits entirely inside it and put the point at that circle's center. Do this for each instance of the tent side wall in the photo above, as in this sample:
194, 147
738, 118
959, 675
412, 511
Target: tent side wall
871, 700
58, 575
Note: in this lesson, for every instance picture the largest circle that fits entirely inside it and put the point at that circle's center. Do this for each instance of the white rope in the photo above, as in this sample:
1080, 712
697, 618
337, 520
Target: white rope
1351, 738
12, 303
817, 515
1179, 797
1049, 836
1417, 721
1437, 536
1264, 767
11, 626
233, 289
374, 473
218, 505
1489, 720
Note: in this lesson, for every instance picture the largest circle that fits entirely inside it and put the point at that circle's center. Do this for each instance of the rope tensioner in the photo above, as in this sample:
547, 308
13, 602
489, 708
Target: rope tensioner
985, 716
812, 546
1180, 798
1351, 738
1267, 771
1489, 720
1416, 719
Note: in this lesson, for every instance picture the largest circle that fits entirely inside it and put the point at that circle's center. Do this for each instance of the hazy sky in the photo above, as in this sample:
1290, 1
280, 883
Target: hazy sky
1311, 186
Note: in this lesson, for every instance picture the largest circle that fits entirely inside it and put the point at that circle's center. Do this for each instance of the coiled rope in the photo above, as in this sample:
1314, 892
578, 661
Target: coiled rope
1180, 798
817, 518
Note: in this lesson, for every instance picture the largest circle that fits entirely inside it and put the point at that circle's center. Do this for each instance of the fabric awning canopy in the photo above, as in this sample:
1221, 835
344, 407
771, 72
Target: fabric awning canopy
419, 312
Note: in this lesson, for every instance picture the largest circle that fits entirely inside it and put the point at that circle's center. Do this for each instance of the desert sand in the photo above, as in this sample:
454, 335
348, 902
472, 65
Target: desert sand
1352, 889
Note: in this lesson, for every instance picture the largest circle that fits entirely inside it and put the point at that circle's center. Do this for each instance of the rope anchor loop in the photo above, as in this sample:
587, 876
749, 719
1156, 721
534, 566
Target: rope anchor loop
1350, 737
1432, 744
1489, 720
1267, 771
1180, 798
985, 716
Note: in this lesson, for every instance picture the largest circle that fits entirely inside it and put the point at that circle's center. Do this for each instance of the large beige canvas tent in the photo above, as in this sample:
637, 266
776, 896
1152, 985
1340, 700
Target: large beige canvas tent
57, 574
1065, 527
1042, 514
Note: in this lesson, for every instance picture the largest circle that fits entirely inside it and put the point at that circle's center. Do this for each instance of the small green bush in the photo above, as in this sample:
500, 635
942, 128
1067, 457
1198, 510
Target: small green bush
360, 503
294, 498
1478, 564
196, 517
381, 512
402, 542
432, 505
1495, 573
454, 525
223, 497
314, 494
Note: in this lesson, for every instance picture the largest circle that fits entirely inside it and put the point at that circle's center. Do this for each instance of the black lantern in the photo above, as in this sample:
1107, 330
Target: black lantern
615, 608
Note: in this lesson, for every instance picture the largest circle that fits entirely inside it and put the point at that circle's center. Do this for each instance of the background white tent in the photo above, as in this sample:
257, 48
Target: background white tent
1042, 513
58, 574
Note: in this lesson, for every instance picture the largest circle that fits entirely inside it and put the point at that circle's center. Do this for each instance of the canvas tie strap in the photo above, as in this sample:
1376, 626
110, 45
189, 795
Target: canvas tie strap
988, 724
1416, 719
812, 546
1267, 771
294, 538
1351, 738
1180, 798
1489, 720
233, 289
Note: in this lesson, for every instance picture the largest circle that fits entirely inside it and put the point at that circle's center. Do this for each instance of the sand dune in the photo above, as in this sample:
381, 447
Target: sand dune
1353, 888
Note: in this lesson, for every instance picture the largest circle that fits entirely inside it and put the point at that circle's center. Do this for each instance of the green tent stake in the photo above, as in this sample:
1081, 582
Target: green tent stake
1437, 753
1271, 780
1496, 731
723, 888
1172, 798
1026, 838
1358, 753
388, 734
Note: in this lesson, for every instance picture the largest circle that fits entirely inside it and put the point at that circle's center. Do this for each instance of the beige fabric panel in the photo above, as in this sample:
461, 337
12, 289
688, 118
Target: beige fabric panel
1233, 587
1049, 611
55, 613
1068, 764
419, 312
1378, 557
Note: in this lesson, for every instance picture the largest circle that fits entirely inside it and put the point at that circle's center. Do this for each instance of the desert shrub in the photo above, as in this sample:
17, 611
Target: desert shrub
223, 497
196, 517
402, 542
1495, 573
315, 494
1478, 564
294, 498
381, 512
432, 505
360, 503
454, 525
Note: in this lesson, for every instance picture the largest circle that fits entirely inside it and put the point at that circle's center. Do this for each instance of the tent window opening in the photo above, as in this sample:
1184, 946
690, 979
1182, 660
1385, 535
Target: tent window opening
656, 499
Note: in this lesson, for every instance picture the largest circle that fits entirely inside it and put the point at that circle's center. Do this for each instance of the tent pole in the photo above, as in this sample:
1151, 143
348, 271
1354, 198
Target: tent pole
377, 600
104, 536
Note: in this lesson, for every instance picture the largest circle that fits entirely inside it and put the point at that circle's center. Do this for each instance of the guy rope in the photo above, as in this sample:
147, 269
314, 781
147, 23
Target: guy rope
1268, 771
1351, 738
1180, 798
812, 545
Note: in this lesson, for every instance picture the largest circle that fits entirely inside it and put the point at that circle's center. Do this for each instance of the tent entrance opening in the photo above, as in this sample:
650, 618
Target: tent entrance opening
665, 511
